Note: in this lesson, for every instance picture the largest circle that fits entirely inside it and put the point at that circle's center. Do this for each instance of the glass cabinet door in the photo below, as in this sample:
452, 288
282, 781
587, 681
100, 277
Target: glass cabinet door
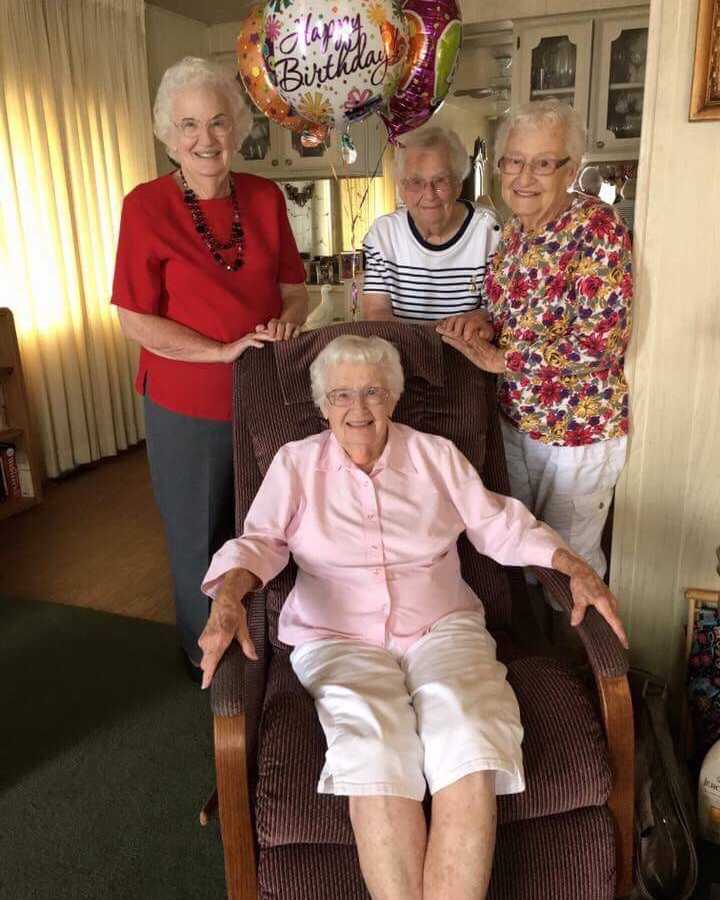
622, 49
554, 68
553, 60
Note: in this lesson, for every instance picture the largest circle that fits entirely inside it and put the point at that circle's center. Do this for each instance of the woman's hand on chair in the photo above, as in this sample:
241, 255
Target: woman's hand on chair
230, 352
278, 330
588, 589
227, 621
467, 325
485, 355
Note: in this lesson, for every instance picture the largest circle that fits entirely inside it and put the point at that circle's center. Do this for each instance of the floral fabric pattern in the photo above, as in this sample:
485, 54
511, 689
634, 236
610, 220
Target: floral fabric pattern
560, 300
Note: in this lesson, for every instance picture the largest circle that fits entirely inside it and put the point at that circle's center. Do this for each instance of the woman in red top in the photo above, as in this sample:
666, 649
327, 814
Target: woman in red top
207, 267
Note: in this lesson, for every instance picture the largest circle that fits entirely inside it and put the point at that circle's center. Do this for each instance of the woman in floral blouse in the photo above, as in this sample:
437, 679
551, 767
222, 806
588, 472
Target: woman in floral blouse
559, 293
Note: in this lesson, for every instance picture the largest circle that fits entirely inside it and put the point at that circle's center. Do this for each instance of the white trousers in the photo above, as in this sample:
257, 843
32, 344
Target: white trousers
569, 488
396, 720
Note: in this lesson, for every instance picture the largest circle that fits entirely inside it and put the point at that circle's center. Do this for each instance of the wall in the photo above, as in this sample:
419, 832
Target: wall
169, 38
667, 521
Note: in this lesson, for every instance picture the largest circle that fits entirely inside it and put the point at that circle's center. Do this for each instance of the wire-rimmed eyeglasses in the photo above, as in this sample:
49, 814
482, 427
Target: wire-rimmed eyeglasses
372, 396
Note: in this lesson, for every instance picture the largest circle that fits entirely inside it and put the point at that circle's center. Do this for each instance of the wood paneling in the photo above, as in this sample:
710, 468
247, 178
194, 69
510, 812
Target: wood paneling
667, 519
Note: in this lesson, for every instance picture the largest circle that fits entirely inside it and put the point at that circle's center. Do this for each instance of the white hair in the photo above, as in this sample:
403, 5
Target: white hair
434, 137
539, 114
352, 348
192, 71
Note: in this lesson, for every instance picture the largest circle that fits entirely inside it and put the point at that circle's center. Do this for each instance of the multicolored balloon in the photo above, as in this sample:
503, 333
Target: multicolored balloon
435, 32
263, 93
335, 61
254, 73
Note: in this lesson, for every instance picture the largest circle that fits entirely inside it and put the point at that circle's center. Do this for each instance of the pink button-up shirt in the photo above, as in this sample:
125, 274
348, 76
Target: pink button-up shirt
376, 554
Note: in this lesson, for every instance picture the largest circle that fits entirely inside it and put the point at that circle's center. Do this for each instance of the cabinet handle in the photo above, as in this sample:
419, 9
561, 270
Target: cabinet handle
274, 162
600, 144
288, 162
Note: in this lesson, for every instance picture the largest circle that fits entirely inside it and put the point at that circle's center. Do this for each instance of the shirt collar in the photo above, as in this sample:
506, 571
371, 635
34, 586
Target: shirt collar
395, 455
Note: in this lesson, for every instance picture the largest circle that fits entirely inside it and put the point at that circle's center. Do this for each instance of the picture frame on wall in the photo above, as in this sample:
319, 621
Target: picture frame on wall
705, 91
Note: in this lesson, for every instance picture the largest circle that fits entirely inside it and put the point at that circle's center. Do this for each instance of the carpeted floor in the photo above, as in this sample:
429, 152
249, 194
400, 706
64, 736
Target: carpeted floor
105, 760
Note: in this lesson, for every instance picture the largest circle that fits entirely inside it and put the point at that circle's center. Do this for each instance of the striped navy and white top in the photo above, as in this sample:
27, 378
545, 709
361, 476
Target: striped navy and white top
429, 281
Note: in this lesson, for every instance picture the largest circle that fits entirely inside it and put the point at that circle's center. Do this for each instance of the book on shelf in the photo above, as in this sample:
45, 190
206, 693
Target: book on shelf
10, 473
24, 473
3, 409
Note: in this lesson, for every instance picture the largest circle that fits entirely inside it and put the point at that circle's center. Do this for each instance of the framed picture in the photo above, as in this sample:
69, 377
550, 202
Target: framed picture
257, 144
346, 265
705, 92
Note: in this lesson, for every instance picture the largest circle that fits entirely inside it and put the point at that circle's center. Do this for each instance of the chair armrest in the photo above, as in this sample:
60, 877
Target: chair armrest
606, 655
609, 662
227, 689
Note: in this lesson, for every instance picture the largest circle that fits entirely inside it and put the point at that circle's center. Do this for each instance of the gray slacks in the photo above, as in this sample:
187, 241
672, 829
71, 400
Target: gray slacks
191, 466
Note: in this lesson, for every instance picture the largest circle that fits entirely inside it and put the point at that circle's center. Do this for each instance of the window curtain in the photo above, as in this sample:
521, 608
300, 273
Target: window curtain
364, 199
75, 137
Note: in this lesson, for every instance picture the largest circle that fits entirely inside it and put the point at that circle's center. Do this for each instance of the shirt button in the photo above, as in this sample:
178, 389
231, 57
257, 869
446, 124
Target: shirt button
371, 515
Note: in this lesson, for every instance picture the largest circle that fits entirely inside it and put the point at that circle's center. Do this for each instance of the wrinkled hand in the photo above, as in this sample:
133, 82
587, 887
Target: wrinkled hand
230, 352
467, 325
279, 330
227, 621
482, 353
588, 589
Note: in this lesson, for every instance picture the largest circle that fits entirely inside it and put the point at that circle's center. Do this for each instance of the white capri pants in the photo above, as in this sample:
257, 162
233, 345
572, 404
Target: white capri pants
569, 488
396, 720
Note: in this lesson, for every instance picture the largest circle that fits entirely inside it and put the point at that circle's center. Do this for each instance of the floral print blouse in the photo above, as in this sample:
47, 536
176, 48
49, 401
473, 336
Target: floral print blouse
560, 300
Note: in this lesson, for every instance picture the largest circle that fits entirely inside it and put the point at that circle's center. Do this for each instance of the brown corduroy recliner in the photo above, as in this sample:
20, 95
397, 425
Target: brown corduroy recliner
569, 835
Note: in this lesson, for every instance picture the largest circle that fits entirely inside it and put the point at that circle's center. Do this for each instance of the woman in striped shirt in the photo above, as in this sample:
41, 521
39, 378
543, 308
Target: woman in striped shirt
427, 260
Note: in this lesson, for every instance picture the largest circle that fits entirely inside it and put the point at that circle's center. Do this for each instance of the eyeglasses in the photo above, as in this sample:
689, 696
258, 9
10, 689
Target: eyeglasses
372, 396
441, 184
540, 165
219, 126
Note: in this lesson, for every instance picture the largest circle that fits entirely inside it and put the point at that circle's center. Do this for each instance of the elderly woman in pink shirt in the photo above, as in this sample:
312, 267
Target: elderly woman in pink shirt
389, 640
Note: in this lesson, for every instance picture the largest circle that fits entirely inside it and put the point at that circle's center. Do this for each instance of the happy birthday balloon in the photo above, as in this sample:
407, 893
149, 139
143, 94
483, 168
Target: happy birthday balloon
263, 93
335, 61
435, 31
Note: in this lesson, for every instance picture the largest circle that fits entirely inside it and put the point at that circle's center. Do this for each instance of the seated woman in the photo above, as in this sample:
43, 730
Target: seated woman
389, 640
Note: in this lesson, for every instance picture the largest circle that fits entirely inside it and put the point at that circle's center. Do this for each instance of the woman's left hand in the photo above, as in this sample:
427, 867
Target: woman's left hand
485, 355
467, 325
279, 330
588, 589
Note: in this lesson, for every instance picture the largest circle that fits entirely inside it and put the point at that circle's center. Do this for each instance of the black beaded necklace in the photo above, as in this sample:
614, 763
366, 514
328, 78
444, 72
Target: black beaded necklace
214, 245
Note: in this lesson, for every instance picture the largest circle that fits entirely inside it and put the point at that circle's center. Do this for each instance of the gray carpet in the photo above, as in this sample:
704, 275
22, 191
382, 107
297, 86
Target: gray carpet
105, 760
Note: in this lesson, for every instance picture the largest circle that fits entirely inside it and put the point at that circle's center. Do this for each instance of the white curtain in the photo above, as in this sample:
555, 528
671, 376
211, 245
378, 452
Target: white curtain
75, 137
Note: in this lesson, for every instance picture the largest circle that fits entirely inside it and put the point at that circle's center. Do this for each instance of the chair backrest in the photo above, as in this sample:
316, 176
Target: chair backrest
444, 394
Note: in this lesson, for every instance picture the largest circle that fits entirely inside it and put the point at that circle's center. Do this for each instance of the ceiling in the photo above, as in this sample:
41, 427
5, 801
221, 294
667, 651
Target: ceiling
211, 12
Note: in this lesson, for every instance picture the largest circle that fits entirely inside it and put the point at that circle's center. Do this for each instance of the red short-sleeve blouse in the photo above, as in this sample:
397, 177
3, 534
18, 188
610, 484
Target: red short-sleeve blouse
163, 268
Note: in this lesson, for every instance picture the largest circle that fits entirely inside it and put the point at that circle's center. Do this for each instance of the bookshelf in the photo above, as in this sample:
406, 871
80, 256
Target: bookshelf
16, 428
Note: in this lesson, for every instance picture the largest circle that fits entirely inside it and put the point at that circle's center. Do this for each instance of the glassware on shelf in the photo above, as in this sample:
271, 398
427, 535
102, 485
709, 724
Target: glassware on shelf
624, 116
553, 66
627, 57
